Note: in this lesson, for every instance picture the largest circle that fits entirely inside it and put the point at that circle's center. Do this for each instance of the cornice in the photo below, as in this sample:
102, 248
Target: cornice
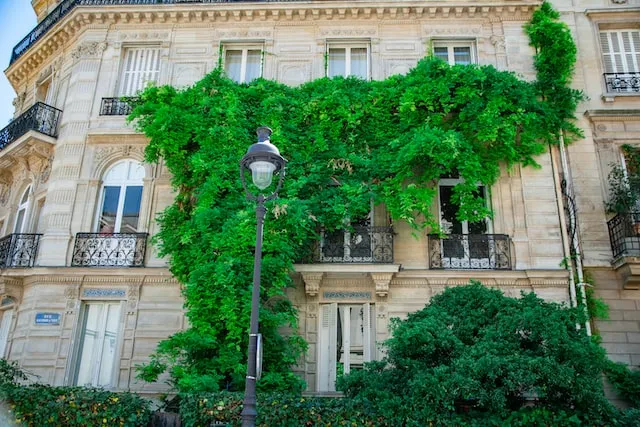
595, 115
592, 13
63, 34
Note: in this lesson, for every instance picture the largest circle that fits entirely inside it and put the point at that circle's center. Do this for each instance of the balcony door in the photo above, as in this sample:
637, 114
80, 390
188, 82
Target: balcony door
346, 341
467, 244
21, 214
354, 244
121, 198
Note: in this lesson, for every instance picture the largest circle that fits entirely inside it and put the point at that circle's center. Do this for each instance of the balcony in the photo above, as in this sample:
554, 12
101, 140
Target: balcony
109, 250
19, 250
41, 118
622, 82
624, 234
370, 245
116, 106
470, 252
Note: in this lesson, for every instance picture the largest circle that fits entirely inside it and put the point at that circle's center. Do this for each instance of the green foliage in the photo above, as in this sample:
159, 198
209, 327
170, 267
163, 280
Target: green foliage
624, 184
278, 410
501, 358
625, 381
44, 405
349, 142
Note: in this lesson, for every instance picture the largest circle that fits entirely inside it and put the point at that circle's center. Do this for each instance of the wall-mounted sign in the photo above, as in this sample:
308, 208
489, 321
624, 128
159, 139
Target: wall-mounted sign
47, 318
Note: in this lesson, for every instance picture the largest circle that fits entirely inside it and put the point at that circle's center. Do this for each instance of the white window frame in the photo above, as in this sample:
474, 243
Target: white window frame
451, 44
98, 346
126, 84
244, 48
629, 59
348, 45
23, 206
123, 184
6, 322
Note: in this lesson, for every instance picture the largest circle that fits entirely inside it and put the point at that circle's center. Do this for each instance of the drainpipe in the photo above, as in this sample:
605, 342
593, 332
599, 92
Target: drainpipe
563, 228
575, 239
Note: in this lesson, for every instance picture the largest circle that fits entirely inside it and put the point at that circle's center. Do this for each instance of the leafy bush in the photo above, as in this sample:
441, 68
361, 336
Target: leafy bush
625, 381
279, 410
43, 405
474, 355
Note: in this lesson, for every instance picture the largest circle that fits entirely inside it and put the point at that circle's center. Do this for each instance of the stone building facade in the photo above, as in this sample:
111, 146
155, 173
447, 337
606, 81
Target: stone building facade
84, 295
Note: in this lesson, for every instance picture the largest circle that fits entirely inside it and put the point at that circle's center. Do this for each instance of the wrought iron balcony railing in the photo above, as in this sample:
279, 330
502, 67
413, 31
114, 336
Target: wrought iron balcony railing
109, 250
622, 82
66, 6
116, 106
470, 251
624, 234
19, 250
41, 117
372, 245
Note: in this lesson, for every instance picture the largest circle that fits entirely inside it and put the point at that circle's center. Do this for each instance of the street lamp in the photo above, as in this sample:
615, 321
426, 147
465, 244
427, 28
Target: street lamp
263, 160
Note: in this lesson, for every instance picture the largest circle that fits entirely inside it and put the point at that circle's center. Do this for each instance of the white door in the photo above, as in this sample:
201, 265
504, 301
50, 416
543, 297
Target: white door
5, 324
99, 339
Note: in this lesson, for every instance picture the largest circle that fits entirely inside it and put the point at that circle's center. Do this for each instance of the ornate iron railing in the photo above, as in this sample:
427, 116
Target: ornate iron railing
470, 251
66, 6
116, 106
41, 117
19, 250
355, 245
109, 250
622, 82
624, 234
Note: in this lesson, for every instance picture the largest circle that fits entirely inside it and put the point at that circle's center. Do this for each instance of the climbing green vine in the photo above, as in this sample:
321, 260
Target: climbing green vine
349, 142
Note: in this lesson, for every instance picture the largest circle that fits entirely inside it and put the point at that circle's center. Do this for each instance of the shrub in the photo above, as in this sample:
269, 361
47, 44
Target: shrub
473, 355
44, 405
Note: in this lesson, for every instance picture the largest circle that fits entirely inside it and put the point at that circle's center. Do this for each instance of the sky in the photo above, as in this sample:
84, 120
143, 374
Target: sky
17, 18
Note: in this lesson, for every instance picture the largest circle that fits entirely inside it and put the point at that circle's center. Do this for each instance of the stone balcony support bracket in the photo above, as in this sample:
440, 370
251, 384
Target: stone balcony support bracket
312, 283
382, 281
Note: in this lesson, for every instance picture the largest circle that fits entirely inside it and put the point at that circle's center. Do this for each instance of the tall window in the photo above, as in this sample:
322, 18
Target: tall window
243, 64
98, 345
121, 198
620, 51
348, 60
21, 215
140, 66
346, 341
5, 324
455, 53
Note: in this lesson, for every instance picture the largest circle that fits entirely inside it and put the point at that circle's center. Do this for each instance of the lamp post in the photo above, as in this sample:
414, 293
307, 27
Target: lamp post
263, 159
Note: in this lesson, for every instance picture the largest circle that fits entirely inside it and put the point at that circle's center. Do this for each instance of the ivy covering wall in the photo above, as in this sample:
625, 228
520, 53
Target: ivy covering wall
348, 142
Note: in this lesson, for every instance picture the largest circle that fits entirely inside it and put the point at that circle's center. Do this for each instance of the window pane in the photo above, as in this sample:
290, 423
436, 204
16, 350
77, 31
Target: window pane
109, 209
87, 344
337, 62
131, 210
19, 221
449, 211
462, 55
254, 60
359, 62
109, 345
441, 52
233, 64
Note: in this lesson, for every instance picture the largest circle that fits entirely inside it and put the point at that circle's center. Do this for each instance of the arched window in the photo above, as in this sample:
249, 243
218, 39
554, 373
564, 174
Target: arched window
21, 215
121, 197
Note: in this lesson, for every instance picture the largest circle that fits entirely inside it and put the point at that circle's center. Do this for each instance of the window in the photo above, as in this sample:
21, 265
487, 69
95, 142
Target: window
455, 53
346, 341
44, 91
5, 324
140, 66
243, 64
121, 198
348, 60
21, 214
97, 355
621, 59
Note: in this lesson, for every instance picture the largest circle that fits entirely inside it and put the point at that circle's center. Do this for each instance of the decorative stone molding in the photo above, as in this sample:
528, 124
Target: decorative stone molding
312, 283
11, 287
382, 281
133, 297
71, 293
105, 155
88, 50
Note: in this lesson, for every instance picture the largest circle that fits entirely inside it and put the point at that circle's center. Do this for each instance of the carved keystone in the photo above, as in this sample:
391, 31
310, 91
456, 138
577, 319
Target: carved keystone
312, 283
382, 281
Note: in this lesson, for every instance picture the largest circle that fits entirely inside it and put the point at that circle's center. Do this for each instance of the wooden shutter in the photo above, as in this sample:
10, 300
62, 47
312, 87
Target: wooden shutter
141, 65
620, 51
346, 338
4, 331
368, 344
327, 348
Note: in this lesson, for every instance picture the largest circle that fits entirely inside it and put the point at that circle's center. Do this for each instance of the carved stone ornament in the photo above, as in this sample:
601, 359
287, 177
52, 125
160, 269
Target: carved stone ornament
382, 281
133, 296
497, 42
619, 1
89, 50
312, 283
18, 101
71, 293
11, 287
